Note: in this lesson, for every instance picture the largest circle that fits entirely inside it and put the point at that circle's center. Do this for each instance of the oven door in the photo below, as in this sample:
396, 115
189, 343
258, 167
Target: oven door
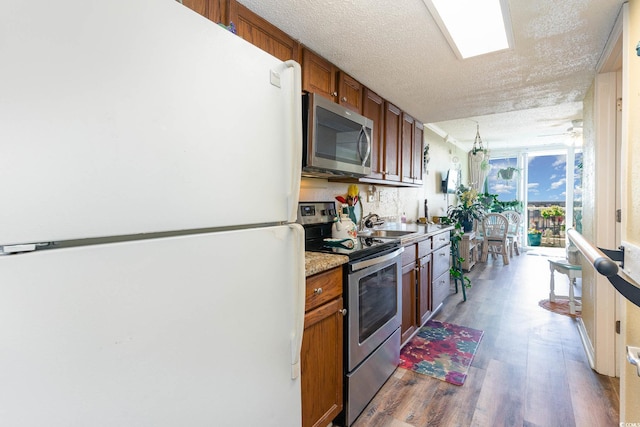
374, 304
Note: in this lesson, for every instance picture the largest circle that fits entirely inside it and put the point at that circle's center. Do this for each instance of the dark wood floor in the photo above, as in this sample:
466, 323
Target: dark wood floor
530, 368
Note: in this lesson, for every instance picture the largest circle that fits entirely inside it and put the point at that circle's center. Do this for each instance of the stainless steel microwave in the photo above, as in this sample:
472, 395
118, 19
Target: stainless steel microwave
337, 141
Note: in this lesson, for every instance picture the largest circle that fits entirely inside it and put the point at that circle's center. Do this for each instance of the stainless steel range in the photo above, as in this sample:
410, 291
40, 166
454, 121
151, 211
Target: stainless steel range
372, 280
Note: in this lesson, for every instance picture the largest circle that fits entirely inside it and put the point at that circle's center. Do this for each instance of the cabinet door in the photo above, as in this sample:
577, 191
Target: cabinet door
373, 108
392, 125
406, 149
441, 260
262, 34
321, 359
418, 152
408, 326
440, 290
349, 92
318, 75
214, 10
424, 294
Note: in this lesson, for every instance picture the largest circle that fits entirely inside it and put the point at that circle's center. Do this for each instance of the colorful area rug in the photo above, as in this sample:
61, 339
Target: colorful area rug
441, 350
560, 306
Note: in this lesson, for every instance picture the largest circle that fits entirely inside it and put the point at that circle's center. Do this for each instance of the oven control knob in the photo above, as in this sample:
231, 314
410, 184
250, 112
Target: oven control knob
343, 311
317, 291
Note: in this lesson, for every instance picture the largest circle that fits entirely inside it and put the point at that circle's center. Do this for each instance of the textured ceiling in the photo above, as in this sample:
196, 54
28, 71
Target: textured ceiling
396, 48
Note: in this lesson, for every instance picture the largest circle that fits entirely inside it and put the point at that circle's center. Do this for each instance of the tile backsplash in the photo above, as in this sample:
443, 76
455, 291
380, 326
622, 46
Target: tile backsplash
388, 202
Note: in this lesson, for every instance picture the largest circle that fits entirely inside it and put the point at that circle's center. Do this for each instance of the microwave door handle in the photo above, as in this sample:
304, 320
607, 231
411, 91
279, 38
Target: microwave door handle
364, 158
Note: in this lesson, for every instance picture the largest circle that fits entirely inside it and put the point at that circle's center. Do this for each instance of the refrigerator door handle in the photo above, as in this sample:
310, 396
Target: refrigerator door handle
296, 138
300, 296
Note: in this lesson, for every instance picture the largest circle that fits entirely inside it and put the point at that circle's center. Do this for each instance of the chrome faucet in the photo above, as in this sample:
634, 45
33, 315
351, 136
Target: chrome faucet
370, 221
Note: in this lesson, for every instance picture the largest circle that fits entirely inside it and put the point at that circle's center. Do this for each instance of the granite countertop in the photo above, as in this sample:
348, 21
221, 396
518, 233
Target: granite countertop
317, 262
418, 232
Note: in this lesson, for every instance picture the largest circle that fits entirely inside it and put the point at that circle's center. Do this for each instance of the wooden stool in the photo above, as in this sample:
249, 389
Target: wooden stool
572, 271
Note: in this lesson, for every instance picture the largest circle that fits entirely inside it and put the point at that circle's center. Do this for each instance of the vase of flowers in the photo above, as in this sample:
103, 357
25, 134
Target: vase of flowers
467, 210
350, 201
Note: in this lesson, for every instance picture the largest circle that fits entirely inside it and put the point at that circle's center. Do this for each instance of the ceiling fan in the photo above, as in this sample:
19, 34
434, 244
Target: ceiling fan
574, 130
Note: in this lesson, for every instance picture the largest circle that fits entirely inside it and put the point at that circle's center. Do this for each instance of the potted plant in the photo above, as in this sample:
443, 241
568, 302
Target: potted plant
467, 210
534, 237
488, 201
513, 205
554, 212
507, 173
456, 272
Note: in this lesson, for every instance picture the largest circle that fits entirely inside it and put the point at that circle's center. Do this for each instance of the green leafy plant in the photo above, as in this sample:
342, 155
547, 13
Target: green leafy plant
507, 173
468, 208
456, 266
552, 212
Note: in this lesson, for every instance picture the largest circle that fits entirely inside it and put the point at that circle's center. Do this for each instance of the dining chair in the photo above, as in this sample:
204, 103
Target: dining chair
479, 237
513, 235
495, 227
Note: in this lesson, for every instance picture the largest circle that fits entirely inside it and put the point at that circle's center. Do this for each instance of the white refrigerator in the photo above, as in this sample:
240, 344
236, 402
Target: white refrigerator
151, 273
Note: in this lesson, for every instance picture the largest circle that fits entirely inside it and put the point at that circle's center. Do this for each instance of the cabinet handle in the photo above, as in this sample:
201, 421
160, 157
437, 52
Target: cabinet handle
334, 93
317, 291
343, 311
343, 99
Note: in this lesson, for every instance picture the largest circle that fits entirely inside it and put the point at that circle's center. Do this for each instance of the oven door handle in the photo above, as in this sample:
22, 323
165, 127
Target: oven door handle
369, 262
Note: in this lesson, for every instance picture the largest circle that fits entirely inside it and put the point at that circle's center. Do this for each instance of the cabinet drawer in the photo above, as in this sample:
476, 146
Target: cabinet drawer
441, 260
323, 287
441, 239
439, 290
424, 247
409, 254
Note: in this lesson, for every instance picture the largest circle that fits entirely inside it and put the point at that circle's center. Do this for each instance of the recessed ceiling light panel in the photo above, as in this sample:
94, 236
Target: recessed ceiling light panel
473, 27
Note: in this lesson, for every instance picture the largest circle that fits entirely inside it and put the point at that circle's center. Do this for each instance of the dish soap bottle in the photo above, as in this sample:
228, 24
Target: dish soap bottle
403, 218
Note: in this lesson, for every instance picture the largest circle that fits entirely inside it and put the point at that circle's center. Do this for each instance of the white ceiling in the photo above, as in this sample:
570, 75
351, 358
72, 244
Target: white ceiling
396, 48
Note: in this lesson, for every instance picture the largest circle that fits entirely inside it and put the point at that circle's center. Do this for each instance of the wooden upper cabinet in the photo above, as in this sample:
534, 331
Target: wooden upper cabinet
263, 34
411, 148
418, 152
406, 148
318, 75
349, 92
322, 77
373, 108
392, 135
214, 10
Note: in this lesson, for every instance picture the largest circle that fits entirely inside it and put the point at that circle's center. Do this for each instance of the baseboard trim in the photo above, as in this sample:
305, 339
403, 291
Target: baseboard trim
586, 344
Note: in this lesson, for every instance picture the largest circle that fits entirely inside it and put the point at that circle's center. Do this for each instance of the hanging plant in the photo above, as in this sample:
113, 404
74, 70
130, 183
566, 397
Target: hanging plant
507, 173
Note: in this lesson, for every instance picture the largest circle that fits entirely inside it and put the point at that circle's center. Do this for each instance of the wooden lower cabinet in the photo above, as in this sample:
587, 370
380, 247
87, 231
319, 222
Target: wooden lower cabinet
440, 265
322, 350
408, 326
424, 293
425, 281
440, 289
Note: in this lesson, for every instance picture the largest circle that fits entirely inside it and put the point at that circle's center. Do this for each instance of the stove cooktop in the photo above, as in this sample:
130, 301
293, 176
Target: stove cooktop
317, 220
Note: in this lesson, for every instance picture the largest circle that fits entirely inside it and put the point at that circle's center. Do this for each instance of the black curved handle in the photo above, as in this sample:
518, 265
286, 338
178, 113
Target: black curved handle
607, 267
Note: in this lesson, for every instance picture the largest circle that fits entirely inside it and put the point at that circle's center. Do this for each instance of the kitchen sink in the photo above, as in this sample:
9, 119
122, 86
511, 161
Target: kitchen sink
386, 233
